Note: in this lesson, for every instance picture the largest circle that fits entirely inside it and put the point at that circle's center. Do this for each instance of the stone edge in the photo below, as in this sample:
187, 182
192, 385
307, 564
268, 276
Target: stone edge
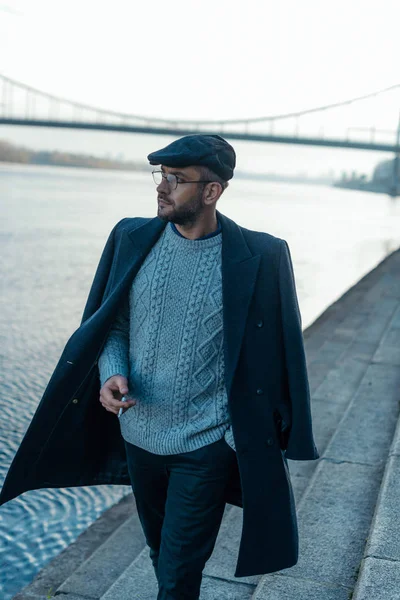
337, 305
361, 583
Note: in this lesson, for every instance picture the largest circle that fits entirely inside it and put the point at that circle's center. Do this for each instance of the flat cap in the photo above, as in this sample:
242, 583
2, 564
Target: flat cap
210, 151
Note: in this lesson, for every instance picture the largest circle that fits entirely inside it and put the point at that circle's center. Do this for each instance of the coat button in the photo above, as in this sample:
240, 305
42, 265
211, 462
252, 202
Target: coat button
259, 392
270, 442
75, 401
260, 323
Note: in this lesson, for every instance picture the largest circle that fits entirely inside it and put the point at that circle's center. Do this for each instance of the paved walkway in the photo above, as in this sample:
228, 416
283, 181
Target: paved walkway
347, 501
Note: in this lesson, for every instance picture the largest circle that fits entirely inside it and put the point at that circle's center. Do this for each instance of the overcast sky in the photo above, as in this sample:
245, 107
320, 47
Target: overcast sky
209, 59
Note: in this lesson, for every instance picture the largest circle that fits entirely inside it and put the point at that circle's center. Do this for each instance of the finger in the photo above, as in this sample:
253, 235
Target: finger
107, 394
128, 400
106, 404
117, 404
125, 404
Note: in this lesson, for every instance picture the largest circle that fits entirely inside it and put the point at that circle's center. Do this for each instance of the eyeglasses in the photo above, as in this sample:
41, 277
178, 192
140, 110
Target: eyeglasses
172, 179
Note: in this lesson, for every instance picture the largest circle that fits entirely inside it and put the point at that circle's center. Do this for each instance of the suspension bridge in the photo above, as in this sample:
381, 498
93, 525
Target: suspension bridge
353, 124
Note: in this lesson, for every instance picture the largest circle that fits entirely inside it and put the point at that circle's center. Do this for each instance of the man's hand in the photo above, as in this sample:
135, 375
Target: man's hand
111, 393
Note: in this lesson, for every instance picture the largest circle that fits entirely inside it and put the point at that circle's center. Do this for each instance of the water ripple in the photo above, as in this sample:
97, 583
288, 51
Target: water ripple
38, 525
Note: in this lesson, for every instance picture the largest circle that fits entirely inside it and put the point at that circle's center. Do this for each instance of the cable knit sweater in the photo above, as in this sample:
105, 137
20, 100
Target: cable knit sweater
167, 339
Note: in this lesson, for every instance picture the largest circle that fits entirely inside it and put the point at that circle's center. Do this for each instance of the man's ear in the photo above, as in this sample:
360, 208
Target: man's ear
213, 191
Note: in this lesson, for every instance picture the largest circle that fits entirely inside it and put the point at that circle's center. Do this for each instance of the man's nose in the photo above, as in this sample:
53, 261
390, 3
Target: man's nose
163, 186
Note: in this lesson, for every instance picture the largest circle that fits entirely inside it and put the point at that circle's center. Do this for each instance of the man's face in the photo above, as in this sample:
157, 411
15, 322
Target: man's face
183, 205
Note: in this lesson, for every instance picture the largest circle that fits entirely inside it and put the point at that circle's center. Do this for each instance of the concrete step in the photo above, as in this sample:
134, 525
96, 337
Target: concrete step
344, 373
335, 377
346, 369
353, 306
328, 408
379, 576
139, 583
337, 507
96, 575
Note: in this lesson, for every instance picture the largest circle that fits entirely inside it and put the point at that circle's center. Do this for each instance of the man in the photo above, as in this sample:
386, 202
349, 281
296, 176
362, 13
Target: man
193, 325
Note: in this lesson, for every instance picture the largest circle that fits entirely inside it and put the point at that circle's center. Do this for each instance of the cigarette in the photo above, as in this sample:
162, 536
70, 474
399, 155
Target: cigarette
123, 399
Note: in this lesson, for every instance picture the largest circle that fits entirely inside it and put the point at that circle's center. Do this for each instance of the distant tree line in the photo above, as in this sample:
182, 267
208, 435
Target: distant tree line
18, 154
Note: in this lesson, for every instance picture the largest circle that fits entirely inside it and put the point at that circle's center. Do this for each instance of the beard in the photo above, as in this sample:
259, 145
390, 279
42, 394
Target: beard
188, 214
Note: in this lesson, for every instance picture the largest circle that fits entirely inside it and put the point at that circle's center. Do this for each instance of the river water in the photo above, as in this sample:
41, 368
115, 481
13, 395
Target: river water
54, 224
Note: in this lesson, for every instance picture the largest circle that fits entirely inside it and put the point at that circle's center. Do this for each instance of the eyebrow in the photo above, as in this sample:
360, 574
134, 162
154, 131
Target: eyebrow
177, 173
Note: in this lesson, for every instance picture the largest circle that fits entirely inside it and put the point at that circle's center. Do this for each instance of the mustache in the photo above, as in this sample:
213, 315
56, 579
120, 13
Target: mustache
163, 198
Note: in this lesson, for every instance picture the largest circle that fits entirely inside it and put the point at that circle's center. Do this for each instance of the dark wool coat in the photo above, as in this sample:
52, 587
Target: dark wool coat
73, 441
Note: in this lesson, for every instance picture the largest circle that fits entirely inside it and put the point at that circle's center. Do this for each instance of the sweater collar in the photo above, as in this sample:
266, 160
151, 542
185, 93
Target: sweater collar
204, 237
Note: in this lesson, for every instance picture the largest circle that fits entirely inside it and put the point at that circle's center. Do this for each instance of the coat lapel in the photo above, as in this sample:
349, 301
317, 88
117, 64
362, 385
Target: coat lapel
134, 245
239, 273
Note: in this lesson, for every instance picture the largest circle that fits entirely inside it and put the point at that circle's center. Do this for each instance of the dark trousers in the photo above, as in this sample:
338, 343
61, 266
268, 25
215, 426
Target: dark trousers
180, 503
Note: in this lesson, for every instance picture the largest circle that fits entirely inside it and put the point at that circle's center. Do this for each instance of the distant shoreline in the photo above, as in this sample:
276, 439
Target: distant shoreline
376, 187
12, 154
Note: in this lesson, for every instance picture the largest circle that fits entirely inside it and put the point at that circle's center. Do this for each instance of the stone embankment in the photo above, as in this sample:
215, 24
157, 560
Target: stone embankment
347, 501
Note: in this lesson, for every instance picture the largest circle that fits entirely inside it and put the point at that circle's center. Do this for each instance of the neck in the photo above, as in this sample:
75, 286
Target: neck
206, 225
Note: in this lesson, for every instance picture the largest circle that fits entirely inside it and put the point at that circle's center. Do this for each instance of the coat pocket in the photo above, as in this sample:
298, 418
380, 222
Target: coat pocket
282, 428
